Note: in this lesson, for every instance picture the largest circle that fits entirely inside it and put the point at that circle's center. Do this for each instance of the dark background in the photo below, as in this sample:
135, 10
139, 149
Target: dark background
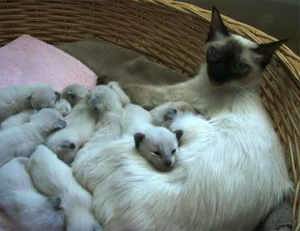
279, 18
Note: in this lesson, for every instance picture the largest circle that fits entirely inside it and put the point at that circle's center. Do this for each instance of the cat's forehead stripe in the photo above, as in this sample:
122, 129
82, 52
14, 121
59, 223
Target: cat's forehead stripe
233, 47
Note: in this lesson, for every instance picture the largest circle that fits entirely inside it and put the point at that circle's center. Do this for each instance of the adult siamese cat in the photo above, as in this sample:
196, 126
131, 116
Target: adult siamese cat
233, 67
226, 89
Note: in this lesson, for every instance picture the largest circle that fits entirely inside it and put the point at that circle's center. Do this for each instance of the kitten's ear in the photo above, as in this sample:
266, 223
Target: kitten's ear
138, 138
266, 50
179, 134
217, 26
55, 202
29, 98
70, 93
58, 95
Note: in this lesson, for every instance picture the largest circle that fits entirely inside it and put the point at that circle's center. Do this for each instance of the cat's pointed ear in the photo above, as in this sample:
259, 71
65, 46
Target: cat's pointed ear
217, 28
266, 50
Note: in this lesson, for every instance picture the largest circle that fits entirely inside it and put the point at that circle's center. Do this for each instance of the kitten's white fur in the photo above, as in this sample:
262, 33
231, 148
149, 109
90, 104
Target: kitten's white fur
53, 177
156, 138
25, 207
81, 124
109, 103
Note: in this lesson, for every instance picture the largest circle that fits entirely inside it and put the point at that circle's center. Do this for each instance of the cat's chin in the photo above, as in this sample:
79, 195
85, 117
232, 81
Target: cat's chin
230, 85
216, 84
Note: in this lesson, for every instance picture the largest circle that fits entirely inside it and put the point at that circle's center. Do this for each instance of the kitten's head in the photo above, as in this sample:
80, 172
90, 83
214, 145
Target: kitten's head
158, 146
232, 59
74, 93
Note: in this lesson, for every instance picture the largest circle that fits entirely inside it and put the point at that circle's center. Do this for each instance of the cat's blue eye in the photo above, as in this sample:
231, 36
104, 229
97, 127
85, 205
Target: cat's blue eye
173, 151
213, 55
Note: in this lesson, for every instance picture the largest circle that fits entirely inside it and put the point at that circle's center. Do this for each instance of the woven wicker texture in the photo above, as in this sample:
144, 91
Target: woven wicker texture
171, 33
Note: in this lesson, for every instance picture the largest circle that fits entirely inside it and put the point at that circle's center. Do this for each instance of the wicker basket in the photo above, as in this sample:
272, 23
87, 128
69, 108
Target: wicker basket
170, 32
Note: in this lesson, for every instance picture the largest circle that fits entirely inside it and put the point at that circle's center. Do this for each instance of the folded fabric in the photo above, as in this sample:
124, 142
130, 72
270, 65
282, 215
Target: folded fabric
28, 60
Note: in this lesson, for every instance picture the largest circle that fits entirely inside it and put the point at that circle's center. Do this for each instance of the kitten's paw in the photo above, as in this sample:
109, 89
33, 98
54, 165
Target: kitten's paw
170, 114
181, 106
113, 84
119, 91
165, 114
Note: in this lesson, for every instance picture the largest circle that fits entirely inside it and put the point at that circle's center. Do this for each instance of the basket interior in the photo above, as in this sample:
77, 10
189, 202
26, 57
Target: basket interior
169, 32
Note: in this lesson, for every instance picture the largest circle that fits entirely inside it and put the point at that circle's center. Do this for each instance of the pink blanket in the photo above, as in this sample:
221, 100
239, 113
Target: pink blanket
28, 60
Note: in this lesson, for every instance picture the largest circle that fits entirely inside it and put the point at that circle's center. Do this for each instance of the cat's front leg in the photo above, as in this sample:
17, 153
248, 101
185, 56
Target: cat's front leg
149, 96
146, 95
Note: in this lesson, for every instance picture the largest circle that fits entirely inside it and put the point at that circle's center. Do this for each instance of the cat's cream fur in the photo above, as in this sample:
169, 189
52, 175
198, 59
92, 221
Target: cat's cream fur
228, 176
230, 172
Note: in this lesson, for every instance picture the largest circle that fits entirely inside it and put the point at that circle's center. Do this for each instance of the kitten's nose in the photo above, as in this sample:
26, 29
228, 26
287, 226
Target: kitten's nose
93, 101
168, 162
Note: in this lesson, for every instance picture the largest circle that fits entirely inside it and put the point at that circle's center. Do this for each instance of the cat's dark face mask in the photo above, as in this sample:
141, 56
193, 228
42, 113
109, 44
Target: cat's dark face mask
230, 60
224, 63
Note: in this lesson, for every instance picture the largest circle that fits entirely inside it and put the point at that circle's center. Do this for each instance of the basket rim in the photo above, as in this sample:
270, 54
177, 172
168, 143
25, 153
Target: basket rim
290, 60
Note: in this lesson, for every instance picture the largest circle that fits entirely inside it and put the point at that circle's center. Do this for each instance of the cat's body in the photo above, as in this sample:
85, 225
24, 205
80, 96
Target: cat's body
231, 173
235, 173
228, 177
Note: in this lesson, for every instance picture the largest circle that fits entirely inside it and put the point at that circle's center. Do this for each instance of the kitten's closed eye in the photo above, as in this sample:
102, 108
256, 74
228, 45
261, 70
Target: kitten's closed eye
157, 153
